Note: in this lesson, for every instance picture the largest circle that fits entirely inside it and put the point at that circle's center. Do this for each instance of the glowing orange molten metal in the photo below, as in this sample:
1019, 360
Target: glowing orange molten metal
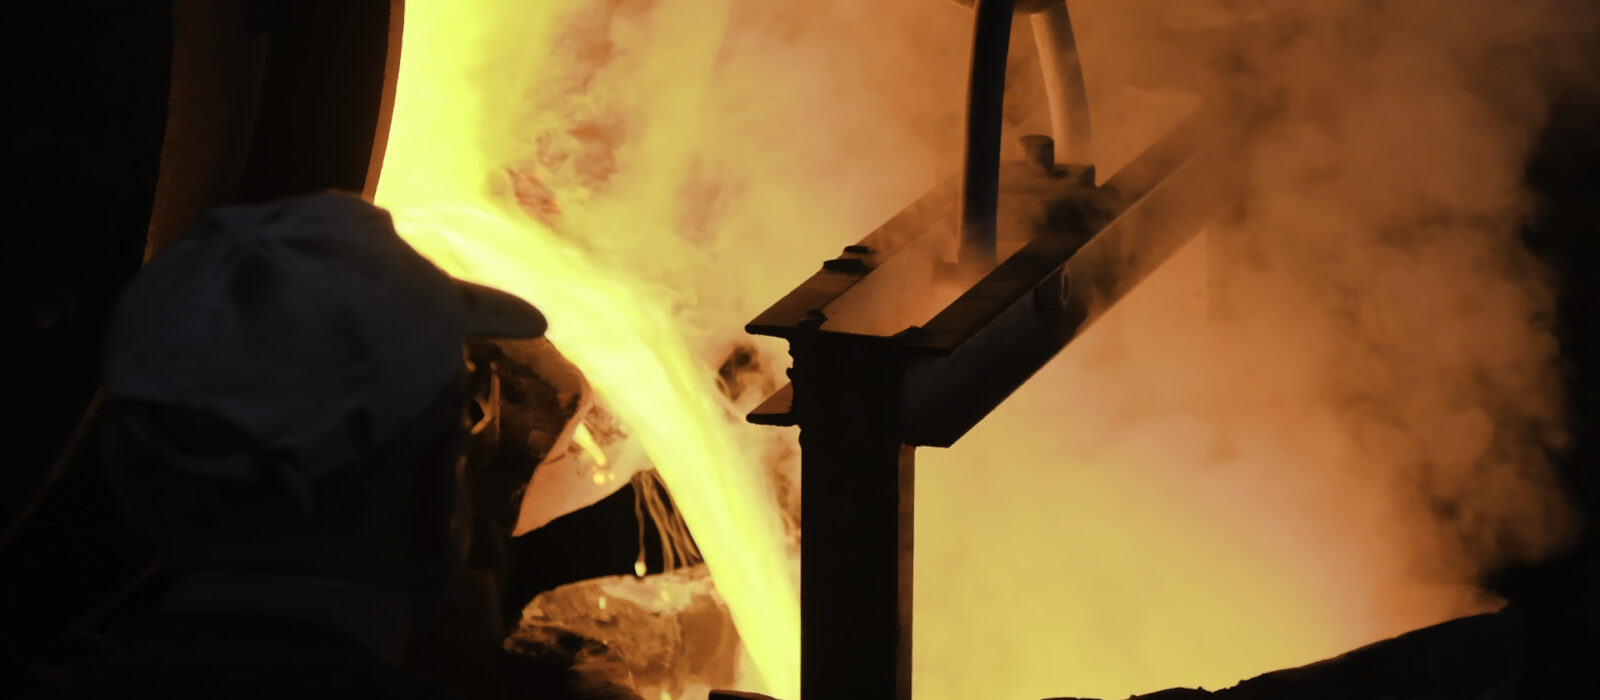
442, 155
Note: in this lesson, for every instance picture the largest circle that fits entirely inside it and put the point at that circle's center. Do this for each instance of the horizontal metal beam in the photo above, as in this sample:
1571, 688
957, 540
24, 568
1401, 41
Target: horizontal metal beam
777, 410
926, 226
1070, 250
983, 346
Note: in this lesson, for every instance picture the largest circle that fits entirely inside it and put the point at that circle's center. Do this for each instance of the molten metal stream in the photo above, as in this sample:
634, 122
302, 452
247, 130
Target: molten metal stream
443, 152
1182, 497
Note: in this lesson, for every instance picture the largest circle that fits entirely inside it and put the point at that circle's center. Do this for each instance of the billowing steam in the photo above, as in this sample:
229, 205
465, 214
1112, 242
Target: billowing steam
1326, 419
1316, 427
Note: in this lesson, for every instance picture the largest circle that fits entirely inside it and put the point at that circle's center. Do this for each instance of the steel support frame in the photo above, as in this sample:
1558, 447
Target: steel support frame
856, 555
864, 396
876, 374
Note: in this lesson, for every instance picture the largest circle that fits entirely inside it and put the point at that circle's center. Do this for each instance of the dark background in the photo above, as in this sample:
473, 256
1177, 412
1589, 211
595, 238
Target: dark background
84, 109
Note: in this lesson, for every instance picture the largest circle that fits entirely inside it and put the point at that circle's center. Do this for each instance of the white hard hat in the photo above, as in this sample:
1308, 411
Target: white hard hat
308, 324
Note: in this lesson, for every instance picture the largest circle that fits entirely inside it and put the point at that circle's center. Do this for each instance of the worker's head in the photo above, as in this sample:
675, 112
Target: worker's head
285, 390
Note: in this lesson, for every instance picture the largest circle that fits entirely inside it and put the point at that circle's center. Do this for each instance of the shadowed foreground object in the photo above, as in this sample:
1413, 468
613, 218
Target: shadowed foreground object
664, 635
1473, 658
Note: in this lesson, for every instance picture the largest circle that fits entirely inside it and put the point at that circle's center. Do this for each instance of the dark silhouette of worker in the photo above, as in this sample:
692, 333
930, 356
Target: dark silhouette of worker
287, 410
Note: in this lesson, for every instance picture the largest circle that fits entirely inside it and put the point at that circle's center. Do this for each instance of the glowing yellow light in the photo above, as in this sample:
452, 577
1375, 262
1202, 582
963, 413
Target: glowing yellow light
586, 440
452, 135
602, 602
1151, 576
638, 568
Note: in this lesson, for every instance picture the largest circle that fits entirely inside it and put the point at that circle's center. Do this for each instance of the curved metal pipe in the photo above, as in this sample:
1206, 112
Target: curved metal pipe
980, 178
1063, 84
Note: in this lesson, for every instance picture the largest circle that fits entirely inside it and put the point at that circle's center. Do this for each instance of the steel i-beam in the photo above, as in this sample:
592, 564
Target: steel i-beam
877, 372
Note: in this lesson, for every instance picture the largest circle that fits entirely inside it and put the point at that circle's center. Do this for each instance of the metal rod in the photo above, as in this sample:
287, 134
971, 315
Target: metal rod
1063, 84
986, 89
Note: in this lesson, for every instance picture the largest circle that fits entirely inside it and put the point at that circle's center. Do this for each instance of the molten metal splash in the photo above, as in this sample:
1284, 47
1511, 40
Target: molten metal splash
443, 153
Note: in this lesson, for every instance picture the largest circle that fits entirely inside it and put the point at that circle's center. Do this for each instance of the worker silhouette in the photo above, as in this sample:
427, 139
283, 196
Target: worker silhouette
286, 414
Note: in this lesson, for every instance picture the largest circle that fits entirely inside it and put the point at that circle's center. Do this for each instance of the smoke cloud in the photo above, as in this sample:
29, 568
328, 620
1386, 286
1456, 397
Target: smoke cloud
1316, 427
1326, 419
719, 150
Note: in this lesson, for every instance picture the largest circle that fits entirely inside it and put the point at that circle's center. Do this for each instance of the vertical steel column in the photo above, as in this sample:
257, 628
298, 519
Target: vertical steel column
856, 508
